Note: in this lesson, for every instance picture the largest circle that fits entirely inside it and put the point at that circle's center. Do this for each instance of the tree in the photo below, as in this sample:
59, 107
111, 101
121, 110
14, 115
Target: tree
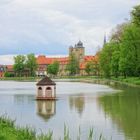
121, 55
31, 64
53, 68
91, 68
135, 14
7, 74
105, 59
88, 68
130, 51
73, 65
115, 61
19, 64
117, 33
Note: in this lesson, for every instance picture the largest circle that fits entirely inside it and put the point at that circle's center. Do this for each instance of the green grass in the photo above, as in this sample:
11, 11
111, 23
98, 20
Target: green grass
19, 78
130, 80
37, 78
8, 131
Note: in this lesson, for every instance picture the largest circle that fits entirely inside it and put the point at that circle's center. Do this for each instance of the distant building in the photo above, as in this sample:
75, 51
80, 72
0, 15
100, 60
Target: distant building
78, 51
2, 70
10, 69
44, 61
6, 69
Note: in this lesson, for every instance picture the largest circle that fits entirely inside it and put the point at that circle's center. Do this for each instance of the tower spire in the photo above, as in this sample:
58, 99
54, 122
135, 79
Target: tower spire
105, 39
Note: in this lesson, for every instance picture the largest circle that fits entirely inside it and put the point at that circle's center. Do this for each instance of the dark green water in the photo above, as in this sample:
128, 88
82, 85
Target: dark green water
124, 110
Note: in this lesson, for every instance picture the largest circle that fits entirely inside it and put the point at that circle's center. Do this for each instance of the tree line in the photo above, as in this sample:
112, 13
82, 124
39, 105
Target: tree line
25, 65
121, 55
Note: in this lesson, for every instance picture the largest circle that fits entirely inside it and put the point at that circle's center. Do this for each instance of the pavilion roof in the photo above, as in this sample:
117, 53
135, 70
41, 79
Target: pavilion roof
45, 81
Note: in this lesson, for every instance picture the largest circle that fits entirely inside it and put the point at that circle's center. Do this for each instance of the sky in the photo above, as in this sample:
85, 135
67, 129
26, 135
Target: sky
49, 27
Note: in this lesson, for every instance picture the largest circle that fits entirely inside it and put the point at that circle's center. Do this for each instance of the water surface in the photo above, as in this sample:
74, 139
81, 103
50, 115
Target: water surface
114, 113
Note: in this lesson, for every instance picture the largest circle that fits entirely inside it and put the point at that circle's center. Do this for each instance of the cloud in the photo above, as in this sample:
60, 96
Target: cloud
51, 26
6, 59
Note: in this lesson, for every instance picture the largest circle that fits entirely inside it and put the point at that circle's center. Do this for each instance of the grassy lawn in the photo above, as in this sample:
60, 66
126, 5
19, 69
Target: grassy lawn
130, 80
20, 78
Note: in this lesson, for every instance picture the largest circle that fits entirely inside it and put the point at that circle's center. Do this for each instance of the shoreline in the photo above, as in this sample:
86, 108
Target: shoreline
94, 80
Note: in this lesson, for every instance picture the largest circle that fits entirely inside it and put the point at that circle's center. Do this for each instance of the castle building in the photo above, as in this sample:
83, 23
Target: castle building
2, 70
79, 53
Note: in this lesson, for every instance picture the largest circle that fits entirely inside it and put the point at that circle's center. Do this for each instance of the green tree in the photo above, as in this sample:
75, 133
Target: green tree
7, 74
135, 14
19, 64
115, 63
130, 51
116, 35
105, 60
73, 65
31, 64
53, 69
115, 58
136, 21
88, 68
91, 68
121, 55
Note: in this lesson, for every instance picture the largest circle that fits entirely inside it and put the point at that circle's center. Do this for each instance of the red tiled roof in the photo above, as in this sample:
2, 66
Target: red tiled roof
43, 60
89, 58
9, 66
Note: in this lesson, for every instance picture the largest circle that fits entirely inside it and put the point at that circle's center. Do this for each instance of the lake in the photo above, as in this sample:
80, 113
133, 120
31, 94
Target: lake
113, 112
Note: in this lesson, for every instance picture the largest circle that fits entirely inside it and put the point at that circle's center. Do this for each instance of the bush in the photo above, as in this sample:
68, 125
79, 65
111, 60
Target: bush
7, 74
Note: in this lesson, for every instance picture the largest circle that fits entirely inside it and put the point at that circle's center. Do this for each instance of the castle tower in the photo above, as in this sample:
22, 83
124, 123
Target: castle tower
78, 51
70, 50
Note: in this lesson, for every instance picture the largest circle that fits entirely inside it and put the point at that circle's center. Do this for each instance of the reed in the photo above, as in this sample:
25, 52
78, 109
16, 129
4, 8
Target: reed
8, 131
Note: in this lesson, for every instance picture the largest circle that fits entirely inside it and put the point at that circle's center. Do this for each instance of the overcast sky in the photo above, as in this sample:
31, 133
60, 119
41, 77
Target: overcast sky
50, 26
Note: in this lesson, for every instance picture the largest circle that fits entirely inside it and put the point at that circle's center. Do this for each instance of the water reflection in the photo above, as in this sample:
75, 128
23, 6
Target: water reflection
46, 109
77, 103
124, 110
23, 99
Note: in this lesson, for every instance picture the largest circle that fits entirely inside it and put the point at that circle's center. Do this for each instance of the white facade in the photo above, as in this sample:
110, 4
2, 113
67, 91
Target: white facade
46, 91
41, 73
